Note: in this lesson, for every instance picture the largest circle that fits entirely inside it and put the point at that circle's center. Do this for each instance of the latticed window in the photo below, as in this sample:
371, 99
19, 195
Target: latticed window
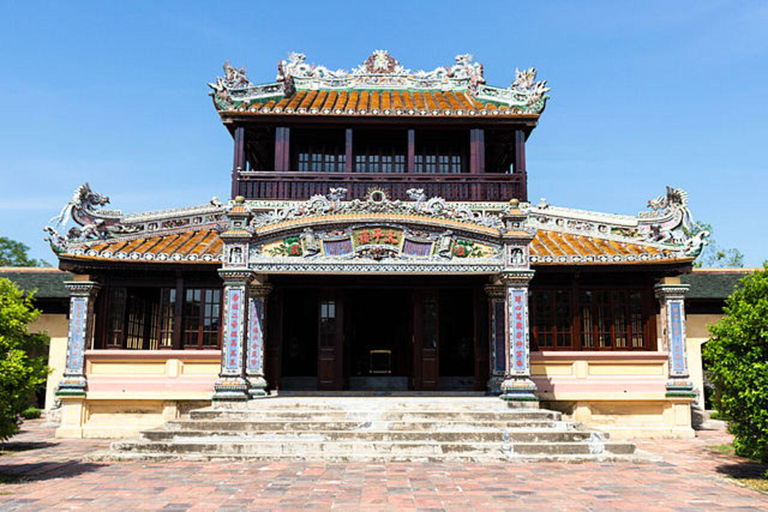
612, 319
441, 152
167, 308
319, 150
202, 318
115, 305
380, 151
327, 323
552, 327
590, 319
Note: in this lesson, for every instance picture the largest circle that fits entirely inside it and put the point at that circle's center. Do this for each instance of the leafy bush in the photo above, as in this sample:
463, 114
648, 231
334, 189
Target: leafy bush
21, 372
31, 413
737, 355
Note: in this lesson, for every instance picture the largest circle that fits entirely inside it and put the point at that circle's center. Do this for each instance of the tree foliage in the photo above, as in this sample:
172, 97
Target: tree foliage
713, 255
737, 355
16, 254
22, 356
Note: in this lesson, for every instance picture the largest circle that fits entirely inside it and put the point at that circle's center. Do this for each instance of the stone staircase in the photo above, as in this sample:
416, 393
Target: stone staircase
477, 429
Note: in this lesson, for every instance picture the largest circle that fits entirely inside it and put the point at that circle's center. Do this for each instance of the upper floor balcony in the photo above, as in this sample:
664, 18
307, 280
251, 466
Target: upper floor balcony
458, 164
453, 187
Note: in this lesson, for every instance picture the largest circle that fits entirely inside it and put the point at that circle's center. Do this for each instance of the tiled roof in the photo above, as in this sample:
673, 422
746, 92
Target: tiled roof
377, 103
185, 247
547, 248
49, 282
714, 283
553, 248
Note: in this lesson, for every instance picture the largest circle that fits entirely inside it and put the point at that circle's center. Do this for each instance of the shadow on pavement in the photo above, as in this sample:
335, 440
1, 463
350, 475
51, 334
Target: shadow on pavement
18, 473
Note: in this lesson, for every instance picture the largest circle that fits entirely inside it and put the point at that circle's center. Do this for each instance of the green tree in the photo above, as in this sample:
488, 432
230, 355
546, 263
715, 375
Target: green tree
22, 370
737, 355
16, 254
714, 256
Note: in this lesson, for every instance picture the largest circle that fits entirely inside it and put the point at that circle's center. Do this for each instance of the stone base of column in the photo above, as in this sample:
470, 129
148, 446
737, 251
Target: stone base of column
519, 391
680, 388
257, 387
230, 389
494, 385
72, 385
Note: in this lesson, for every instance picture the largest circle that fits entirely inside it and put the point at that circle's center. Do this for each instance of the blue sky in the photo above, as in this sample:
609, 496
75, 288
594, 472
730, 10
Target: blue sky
644, 94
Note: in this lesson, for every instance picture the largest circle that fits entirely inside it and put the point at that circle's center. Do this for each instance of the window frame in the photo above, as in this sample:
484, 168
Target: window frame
647, 320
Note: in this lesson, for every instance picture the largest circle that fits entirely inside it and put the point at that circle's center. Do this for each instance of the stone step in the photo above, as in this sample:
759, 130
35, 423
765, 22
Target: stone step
382, 415
227, 425
447, 436
303, 450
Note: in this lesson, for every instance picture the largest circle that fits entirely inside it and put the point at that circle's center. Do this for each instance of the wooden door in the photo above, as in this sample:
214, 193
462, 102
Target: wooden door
426, 336
330, 343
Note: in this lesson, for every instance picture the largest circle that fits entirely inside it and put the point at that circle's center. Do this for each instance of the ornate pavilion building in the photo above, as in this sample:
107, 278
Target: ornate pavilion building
378, 238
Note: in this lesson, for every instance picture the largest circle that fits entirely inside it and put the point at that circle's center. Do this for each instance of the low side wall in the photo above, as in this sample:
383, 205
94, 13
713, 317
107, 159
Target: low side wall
131, 390
620, 392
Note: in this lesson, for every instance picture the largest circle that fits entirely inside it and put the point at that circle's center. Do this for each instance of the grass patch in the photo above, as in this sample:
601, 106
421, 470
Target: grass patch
756, 484
722, 449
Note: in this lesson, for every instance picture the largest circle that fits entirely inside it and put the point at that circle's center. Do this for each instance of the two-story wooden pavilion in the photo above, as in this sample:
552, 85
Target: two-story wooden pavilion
378, 238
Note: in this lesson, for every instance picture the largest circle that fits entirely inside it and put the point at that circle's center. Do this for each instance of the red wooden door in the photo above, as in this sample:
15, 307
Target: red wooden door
330, 343
426, 336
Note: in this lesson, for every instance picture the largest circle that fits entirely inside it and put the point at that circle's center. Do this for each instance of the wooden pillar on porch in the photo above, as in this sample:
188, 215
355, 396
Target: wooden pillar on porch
238, 164
519, 165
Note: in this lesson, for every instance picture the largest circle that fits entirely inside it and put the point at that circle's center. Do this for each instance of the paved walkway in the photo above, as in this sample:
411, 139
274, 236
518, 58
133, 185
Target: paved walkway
39, 472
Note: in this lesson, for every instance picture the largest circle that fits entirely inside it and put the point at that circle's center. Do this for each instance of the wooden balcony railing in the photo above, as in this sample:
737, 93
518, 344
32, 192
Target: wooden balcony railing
452, 187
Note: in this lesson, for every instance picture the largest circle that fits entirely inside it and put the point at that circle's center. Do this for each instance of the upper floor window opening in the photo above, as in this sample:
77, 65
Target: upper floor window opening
443, 152
380, 151
318, 150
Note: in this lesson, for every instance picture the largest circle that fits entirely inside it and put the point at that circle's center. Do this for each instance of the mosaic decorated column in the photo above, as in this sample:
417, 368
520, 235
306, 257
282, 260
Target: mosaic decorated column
672, 301
518, 386
498, 340
257, 311
231, 385
81, 301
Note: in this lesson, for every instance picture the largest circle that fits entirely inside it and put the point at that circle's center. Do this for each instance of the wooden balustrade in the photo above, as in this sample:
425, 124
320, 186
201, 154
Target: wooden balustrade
452, 187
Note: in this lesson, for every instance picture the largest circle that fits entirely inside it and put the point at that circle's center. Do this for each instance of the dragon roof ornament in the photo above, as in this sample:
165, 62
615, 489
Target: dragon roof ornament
668, 225
380, 71
94, 223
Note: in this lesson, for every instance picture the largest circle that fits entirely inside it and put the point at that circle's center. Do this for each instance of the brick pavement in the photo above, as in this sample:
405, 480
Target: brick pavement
43, 473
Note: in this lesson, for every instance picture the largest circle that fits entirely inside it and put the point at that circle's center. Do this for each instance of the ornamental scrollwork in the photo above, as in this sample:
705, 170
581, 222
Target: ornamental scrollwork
377, 202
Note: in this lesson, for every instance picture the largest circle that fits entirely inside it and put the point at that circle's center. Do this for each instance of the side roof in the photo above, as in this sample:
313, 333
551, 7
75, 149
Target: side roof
49, 282
714, 283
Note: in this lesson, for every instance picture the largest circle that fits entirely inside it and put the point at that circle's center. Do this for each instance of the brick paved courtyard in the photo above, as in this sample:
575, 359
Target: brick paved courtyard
39, 472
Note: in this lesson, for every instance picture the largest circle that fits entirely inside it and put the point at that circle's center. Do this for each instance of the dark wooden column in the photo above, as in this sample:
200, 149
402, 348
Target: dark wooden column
178, 309
520, 164
411, 161
239, 160
282, 148
349, 164
476, 159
